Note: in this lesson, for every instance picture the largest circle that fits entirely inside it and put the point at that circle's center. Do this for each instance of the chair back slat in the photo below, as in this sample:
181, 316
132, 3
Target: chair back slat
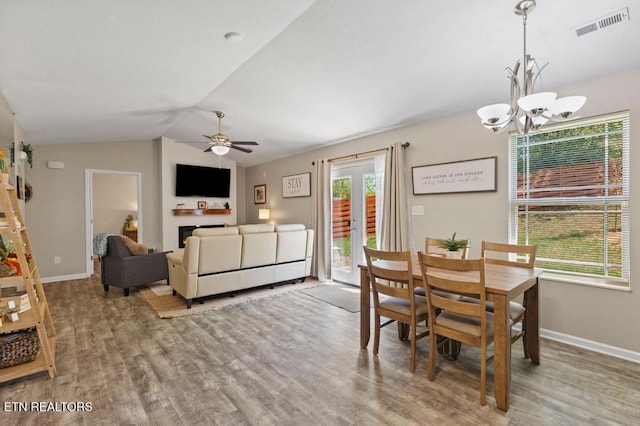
441, 274
394, 277
498, 254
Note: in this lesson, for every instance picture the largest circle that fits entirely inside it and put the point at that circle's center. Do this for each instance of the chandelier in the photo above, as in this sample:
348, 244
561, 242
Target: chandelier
528, 110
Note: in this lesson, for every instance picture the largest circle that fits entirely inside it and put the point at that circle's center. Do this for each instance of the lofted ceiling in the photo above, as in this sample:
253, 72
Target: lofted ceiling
306, 74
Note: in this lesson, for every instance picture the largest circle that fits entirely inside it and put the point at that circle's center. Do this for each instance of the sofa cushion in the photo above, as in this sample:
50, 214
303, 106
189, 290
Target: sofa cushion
256, 228
292, 245
209, 232
290, 227
258, 249
219, 253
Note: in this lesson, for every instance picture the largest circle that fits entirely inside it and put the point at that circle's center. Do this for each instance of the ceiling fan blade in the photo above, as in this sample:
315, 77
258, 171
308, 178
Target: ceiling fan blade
241, 149
244, 143
208, 149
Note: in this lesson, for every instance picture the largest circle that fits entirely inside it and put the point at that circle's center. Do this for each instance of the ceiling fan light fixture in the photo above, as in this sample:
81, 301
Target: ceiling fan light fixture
219, 149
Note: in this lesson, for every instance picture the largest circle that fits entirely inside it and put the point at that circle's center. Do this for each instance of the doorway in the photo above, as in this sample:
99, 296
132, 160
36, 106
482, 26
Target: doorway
110, 196
353, 189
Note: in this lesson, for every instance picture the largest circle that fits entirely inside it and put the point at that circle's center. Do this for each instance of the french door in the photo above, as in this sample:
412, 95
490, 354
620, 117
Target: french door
353, 218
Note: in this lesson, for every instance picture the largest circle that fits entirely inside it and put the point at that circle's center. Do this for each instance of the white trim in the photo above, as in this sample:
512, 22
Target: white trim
590, 345
553, 276
64, 278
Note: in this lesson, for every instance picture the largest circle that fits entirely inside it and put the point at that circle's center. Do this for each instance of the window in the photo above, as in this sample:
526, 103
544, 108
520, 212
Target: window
569, 194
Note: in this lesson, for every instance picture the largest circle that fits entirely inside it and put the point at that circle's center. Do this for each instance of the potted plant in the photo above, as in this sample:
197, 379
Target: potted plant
453, 246
24, 148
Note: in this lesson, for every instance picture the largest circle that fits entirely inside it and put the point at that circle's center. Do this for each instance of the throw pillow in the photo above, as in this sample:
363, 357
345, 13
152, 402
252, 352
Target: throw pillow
135, 249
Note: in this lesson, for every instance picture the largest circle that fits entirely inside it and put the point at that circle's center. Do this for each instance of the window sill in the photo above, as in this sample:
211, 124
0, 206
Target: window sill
606, 283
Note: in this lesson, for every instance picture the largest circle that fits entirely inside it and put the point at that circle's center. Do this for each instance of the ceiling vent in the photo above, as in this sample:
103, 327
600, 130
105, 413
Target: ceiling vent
613, 18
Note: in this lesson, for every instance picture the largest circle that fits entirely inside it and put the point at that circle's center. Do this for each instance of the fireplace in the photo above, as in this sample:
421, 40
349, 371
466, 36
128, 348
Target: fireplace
186, 231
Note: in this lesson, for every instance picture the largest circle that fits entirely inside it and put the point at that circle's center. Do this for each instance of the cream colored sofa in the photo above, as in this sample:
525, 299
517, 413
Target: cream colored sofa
222, 260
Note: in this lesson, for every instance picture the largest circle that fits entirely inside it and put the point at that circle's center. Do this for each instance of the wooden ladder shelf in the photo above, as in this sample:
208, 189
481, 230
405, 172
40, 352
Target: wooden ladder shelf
38, 316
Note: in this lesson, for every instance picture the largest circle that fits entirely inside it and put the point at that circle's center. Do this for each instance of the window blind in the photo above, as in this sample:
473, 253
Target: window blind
569, 194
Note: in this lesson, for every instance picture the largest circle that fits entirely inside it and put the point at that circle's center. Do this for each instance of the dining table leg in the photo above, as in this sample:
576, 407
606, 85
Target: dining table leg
365, 308
502, 351
532, 332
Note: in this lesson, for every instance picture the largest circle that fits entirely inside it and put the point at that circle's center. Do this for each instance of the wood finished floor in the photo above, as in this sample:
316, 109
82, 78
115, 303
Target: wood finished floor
292, 359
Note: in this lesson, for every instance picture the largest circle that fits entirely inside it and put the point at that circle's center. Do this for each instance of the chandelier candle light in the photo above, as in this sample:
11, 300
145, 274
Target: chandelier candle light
528, 110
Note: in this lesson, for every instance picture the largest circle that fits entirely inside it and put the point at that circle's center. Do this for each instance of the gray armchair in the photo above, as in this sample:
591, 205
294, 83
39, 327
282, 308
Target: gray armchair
120, 268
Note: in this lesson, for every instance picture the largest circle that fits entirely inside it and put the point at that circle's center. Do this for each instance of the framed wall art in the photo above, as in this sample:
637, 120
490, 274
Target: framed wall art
260, 194
296, 185
202, 204
478, 175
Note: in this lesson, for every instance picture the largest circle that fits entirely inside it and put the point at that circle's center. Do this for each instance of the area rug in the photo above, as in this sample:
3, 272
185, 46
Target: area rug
161, 299
343, 296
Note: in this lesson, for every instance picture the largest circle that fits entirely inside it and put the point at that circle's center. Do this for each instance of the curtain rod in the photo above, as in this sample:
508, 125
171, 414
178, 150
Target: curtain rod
404, 145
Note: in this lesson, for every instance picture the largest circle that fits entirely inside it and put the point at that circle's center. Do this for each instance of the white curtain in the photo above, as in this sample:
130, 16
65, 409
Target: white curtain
321, 220
396, 226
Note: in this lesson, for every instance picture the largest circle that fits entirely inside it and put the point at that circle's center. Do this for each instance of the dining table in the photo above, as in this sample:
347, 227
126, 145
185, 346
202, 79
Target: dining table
502, 285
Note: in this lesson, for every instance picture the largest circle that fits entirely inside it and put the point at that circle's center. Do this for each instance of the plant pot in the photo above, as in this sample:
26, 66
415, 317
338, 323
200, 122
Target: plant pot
454, 254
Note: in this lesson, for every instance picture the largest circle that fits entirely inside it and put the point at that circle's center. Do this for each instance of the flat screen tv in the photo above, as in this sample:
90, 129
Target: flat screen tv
202, 181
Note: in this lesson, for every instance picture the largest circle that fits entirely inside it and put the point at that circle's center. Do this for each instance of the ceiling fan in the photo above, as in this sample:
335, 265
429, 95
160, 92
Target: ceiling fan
220, 143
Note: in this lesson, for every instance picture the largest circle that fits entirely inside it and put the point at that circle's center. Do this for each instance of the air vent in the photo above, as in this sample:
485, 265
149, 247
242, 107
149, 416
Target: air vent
613, 18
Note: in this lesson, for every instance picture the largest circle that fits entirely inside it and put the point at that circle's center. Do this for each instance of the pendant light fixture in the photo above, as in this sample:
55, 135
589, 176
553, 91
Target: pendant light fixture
528, 110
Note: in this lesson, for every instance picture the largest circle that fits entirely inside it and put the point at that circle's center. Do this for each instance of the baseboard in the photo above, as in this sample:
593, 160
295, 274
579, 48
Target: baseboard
602, 348
63, 278
591, 345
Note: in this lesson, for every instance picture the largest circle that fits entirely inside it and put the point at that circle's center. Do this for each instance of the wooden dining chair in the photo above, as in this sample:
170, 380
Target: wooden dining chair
391, 275
457, 319
519, 255
434, 247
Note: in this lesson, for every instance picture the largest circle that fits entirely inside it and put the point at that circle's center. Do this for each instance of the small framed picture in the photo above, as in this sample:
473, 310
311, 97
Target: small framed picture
260, 194
202, 205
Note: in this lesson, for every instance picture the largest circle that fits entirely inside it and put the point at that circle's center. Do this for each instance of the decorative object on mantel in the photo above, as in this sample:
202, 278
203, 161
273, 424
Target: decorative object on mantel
528, 110
200, 212
202, 204
260, 194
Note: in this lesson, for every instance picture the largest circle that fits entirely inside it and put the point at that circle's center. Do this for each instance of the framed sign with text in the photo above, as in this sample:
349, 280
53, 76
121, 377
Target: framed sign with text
458, 176
296, 185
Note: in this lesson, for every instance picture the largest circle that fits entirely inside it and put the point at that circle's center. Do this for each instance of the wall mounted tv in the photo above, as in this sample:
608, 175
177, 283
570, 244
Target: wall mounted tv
202, 181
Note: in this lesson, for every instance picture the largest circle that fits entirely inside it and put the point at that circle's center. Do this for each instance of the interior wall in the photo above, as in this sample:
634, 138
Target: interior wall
172, 154
56, 213
241, 196
6, 124
115, 196
596, 314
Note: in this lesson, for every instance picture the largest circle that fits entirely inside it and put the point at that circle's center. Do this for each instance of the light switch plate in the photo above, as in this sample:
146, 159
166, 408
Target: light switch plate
417, 210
